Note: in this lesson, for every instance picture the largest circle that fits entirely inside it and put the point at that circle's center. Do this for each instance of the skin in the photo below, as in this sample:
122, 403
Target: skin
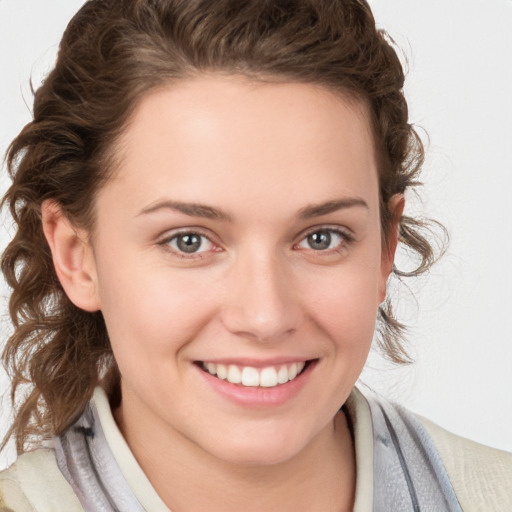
257, 290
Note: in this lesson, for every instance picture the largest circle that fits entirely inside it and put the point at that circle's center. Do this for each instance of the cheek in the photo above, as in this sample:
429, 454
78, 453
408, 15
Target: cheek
348, 317
151, 312
344, 304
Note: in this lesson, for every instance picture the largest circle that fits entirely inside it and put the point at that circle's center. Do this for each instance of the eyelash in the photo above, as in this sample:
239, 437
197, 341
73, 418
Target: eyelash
175, 236
346, 239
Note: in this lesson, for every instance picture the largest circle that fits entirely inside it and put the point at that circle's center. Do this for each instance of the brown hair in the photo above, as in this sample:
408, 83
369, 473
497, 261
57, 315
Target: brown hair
112, 53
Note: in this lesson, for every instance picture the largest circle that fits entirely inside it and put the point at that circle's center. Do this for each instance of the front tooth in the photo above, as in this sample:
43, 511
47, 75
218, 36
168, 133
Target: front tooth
268, 377
250, 376
212, 368
222, 371
292, 372
234, 375
282, 375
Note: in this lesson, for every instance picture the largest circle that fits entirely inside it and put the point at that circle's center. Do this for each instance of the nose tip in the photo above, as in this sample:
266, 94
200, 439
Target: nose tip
262, 305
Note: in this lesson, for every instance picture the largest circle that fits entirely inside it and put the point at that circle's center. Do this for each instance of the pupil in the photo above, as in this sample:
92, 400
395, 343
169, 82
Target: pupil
189, 243
319, 240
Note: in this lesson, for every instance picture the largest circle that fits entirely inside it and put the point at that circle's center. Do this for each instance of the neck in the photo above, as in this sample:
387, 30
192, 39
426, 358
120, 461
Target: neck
320, 477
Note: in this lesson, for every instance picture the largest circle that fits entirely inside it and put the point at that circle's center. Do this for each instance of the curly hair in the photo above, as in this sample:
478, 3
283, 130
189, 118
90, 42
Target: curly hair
112, 54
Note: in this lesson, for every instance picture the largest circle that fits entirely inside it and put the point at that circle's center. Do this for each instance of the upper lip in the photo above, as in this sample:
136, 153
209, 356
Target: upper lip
257, 363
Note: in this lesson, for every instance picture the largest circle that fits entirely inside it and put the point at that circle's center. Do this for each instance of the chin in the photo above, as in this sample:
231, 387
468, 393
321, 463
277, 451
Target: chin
260, 449
259, 457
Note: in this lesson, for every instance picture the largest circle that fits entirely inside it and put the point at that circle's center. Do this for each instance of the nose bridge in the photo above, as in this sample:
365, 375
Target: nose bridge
262, 304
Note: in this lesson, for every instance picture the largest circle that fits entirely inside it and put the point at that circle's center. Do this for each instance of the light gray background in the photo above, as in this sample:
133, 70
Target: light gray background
460, 92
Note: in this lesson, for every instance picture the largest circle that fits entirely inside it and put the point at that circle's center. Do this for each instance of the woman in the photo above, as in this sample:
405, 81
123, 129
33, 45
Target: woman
208, 203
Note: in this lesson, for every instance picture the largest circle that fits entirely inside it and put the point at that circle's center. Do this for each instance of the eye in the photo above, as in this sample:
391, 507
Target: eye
323, 240
189, 243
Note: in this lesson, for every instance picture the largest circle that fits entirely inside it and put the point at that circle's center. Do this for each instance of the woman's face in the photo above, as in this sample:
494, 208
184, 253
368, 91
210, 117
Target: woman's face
240, 239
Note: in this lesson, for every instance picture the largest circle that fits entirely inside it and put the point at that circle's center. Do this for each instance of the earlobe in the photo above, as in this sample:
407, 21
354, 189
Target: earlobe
396, 208
72, 255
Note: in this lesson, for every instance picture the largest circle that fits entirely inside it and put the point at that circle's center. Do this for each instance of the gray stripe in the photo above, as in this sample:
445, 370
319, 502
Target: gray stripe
87, 463
408, 472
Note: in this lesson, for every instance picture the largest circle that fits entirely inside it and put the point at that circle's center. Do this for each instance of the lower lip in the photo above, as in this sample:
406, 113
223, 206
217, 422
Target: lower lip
258, 397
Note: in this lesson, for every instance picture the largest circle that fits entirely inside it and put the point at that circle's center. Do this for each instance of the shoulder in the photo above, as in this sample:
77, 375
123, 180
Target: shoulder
481, 476
477, 476
34, 483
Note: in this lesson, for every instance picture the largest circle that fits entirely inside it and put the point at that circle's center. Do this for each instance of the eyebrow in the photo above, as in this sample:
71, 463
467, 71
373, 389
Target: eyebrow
210, 212
191, 209
317, 210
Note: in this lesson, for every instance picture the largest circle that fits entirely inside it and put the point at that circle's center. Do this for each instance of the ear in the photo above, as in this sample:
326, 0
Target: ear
73, 257
396, 208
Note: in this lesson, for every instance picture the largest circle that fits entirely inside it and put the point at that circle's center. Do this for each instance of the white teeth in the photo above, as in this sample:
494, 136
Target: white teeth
250, 376
282, 375
222, 371
234, 376
267, 377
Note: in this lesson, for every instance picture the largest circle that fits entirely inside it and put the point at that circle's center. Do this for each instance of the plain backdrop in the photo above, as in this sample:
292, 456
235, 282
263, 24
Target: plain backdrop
459, 90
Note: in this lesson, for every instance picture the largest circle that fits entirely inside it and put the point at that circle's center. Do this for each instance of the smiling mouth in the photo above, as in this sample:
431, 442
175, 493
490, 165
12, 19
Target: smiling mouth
267, 377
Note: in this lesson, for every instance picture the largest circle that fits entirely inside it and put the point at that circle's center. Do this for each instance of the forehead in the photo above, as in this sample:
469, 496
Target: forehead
227, 138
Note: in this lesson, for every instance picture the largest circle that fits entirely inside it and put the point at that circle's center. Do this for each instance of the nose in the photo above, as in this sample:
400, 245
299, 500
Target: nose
262, 303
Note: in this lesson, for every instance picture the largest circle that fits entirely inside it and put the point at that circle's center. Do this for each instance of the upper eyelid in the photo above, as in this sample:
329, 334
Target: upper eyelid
170, 234
346, 232
164, 241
